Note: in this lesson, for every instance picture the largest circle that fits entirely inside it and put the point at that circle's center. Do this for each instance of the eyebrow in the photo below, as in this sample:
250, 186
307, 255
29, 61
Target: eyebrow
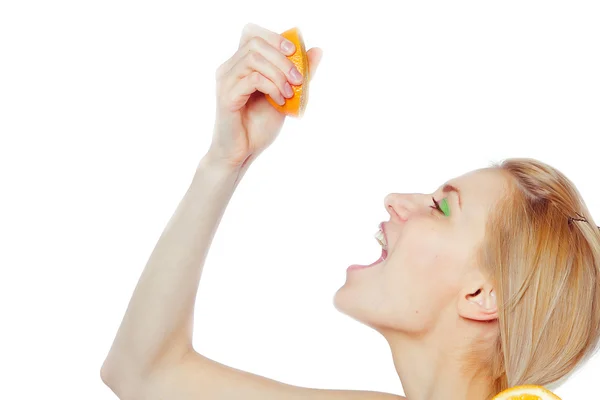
450, 188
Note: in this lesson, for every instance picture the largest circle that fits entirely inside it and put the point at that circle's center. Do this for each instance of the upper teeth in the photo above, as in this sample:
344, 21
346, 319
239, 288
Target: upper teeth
381, 239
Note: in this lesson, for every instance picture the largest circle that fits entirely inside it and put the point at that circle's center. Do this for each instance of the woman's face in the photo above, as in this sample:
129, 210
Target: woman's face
430, 267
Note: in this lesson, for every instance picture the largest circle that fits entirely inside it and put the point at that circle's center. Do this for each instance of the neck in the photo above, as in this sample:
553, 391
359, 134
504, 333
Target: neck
433, 368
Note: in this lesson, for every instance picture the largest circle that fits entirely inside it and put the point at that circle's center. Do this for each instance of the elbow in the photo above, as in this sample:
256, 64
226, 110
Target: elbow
109, 373
122, 385
109, 377
106, 373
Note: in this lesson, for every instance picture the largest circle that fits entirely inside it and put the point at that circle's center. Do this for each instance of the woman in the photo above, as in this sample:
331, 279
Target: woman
490, 282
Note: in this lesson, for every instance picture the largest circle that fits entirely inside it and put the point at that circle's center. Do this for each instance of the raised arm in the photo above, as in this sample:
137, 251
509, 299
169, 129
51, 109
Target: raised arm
152, 355
157, 326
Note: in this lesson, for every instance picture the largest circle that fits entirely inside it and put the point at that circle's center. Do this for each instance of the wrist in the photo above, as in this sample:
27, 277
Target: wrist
222, 171
213, 162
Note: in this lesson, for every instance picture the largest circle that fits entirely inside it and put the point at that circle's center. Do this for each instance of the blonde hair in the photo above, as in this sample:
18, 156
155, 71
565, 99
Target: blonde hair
546, 273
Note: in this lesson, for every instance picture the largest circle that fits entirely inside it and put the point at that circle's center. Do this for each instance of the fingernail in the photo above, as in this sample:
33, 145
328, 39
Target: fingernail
288, 47
288, 90
296, 75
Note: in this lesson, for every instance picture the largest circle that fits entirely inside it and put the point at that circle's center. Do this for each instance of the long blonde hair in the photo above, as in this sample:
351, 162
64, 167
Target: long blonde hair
546, 271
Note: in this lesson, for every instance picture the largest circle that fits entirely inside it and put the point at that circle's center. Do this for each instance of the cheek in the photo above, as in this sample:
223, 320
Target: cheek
421, 249
427, 268
430, 247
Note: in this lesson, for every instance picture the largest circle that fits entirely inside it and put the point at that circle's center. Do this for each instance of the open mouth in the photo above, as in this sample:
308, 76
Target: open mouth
382, 240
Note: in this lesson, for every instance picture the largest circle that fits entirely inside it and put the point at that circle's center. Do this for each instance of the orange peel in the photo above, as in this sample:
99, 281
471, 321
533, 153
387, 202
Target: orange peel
526, 392
295, 105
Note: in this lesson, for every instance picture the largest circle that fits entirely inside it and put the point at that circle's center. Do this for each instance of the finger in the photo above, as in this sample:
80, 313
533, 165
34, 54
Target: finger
254, 61
276, 57
250, 31
274, 39
239, 94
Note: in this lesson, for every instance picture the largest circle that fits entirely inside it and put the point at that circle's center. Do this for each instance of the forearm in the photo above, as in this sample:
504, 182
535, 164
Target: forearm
158, 322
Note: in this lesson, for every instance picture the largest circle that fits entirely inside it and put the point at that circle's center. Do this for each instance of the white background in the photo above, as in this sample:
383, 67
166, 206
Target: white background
106, 108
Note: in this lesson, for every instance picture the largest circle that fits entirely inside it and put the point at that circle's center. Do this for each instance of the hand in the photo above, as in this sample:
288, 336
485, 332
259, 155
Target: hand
246, 123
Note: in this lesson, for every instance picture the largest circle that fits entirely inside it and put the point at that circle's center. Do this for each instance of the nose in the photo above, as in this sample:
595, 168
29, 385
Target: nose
401, 205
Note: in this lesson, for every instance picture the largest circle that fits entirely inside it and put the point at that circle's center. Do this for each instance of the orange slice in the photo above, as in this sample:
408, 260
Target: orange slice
526, 392
295, 105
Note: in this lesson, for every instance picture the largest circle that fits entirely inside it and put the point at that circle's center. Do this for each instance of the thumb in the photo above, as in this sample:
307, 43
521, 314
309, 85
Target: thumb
314, 58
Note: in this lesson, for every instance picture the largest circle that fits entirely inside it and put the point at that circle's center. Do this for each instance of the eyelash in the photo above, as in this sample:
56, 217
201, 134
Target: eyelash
437, 206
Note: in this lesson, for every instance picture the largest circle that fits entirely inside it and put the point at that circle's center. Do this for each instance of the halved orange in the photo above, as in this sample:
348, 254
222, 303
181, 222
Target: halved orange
526, 392
296, 105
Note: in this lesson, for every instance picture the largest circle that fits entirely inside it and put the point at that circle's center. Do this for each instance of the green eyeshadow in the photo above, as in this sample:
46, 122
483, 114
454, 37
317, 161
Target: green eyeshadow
445, 207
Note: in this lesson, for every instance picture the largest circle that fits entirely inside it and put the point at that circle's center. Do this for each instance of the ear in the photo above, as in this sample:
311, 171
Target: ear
478, 303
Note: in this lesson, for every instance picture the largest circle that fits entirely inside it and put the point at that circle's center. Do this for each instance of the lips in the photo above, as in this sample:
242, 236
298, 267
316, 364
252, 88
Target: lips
381, 259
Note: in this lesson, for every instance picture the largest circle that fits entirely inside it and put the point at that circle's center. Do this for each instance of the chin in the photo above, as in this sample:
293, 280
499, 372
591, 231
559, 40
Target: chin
344, 300
347, 301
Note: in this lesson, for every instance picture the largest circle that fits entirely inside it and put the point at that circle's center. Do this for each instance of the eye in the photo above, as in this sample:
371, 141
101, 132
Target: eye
442, 206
